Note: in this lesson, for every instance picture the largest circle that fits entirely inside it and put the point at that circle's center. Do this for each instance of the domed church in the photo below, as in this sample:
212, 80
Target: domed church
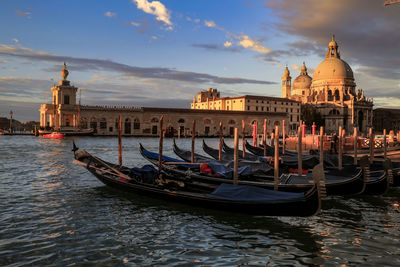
332, 90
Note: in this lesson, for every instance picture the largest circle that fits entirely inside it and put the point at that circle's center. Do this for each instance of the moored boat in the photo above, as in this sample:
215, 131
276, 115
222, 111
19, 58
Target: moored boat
234, 198
54, 135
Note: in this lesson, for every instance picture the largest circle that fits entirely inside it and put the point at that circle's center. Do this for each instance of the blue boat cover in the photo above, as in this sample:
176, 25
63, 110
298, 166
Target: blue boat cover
147, 173
227, 172
153, 155
248, 193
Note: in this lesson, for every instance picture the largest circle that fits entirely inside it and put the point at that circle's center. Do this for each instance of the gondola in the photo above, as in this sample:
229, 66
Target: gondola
394, 176
270, 151
257, 167
227, 197
335, 183
309, 161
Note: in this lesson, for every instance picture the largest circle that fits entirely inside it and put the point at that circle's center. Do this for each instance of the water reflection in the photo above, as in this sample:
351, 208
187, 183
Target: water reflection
56, 213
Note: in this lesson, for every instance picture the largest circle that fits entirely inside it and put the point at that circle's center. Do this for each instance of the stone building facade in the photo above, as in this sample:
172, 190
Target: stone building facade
332, 90
387, 118
64, 113
210, 100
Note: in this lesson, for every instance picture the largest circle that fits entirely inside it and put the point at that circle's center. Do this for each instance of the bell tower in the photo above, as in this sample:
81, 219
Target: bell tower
286, 83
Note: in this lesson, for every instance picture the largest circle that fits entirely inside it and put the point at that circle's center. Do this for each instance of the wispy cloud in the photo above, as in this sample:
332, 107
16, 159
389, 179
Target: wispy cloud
110, 14
131, 23
22, 13
156, 8
88, 64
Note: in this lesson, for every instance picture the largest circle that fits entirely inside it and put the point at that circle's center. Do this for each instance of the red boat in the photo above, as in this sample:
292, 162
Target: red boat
54, 135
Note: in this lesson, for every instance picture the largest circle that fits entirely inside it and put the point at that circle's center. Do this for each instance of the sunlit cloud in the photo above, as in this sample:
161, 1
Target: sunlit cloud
247, 42
110, 14
227, 44
210, 23
15, 40
155, 8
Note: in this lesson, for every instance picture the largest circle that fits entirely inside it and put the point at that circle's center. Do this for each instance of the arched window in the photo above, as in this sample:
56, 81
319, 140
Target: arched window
337, 96
103, 123
136, 124
154, 120
127, 126
93, 123
117, 123
181, 121
329, 95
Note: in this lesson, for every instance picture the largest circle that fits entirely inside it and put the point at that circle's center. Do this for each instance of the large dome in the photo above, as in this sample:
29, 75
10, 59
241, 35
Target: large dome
333, 68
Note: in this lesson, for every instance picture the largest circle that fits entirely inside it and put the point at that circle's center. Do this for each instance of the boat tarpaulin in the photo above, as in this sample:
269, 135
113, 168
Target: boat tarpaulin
248, 193
227, 172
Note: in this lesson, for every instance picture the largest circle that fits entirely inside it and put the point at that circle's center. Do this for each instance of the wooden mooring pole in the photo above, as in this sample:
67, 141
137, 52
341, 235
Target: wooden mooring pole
243, 139
276, 159
265, 138
120, 142
193, 135
355, 140
220, 141
371, 144
236, 158
283, 137
340, 156
321, 145
160, 147
300, 151
384, 144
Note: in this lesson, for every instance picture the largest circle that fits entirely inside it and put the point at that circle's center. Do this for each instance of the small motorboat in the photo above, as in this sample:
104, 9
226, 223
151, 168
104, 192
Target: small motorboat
54, 135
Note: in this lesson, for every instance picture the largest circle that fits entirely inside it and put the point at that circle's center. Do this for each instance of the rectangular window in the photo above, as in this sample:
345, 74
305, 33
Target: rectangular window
256, 108
262, 108
248, 107
66, 99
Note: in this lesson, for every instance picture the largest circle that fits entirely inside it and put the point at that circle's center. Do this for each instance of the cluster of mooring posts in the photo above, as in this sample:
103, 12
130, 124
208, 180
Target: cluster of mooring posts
274, 137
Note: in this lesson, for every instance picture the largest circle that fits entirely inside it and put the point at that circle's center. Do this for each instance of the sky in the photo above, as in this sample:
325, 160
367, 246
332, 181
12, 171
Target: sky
161, 53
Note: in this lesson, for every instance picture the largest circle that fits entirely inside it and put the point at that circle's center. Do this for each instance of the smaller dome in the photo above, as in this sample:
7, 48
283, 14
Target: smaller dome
302, 83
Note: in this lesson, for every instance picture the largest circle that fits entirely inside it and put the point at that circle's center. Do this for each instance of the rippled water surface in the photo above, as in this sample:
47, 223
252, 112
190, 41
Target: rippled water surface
53, 212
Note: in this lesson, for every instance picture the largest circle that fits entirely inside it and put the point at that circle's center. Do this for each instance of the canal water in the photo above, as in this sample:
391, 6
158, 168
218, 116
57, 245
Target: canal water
55, 213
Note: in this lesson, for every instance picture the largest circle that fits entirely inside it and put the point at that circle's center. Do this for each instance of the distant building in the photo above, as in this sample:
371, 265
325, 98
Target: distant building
332, 90
387, 118
65, 113
211, 100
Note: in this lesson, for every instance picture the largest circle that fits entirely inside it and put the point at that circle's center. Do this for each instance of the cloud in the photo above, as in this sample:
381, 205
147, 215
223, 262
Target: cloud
22, 13
210, 23
366, 31
215, 47
15, 40
155, 8
88, 64
247, 42
227, 44
110, 14
136, 24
